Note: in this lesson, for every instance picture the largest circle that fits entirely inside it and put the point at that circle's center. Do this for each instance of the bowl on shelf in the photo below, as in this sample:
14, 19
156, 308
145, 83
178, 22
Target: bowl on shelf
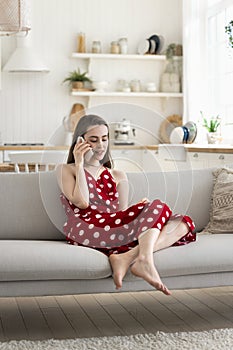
100, 86
150, 87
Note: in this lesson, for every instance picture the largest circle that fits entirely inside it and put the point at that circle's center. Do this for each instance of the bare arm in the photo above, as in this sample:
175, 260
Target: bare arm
72, 179
122, 188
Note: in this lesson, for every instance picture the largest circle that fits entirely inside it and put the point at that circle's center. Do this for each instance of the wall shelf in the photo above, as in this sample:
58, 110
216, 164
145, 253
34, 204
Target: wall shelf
103, 60
126, 94
118, 56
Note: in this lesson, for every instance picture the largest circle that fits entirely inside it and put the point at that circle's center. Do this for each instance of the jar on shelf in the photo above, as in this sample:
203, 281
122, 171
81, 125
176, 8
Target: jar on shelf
123, 43
126, 87
81, 47
115, 48
135, 85
96, 46
120, 84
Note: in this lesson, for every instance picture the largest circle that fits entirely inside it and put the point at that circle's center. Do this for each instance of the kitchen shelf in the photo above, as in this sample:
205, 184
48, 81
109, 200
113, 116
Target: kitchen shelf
126, 94
108, 56
92, 60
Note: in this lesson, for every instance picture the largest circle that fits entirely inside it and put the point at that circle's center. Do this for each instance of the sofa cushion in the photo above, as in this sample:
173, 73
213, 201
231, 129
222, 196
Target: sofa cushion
221, 211
54, 260
49, 260
209, 254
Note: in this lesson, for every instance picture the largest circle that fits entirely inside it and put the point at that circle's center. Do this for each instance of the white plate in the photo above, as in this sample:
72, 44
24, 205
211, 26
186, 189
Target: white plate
161, 44
143, 47
152, 46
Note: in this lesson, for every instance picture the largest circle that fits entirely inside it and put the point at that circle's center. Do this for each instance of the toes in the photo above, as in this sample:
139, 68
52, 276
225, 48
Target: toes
117, 281
118, 285
165, 290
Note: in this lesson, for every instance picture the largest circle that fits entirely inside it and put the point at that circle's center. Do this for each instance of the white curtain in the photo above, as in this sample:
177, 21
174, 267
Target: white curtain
195, 58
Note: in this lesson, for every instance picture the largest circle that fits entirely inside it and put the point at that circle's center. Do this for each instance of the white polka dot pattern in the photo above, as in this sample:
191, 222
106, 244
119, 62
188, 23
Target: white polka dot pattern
103, 225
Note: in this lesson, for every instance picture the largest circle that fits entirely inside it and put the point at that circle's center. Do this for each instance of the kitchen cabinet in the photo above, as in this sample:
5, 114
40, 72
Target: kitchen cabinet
219, 159
128, 160
149, 160
200, 160
144, 160
115, 67
197, 160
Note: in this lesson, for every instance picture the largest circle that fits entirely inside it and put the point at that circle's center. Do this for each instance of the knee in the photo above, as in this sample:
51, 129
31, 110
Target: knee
182, 229
177, 228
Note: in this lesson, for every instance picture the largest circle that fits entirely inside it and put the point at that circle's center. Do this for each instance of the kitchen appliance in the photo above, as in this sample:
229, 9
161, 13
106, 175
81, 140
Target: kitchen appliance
122, 133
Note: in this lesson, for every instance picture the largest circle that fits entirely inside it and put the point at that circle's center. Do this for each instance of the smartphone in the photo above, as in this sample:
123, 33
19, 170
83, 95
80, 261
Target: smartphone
88, 155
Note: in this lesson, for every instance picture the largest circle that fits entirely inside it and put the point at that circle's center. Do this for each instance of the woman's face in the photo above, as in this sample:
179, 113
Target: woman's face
97, 137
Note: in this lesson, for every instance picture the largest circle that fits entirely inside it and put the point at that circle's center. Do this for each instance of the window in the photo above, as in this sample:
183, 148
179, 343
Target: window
220, 64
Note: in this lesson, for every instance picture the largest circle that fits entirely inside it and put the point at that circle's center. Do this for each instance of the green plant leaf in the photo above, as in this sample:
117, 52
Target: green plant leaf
76, 75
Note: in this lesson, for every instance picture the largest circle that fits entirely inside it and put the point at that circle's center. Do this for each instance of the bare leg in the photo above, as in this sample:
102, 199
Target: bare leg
120, 263
143, 265
171, 233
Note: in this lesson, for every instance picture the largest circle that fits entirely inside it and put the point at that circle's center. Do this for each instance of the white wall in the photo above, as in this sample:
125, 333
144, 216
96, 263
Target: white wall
32, 105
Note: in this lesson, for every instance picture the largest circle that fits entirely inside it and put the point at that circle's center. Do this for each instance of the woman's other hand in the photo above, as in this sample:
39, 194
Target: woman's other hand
144, 200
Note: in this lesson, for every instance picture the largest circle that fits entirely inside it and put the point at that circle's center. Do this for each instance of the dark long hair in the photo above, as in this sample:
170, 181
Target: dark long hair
81, 128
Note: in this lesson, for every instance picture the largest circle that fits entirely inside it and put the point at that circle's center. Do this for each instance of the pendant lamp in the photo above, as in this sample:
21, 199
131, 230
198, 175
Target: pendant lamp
14, 16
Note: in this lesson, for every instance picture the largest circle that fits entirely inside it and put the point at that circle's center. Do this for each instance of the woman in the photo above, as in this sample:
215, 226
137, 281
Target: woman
95, 198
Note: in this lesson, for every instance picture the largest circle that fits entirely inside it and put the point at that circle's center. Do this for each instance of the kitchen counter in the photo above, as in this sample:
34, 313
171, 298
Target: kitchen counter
32, 148
189, 147
209, 148
202, 148
129, 158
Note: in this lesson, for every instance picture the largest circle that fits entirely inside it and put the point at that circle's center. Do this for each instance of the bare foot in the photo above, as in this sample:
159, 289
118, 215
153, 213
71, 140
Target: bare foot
120, 265
146, 270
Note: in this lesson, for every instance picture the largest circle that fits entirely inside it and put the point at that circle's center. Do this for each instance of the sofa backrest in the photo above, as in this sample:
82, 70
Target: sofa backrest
30, 206
187, 192
23, 214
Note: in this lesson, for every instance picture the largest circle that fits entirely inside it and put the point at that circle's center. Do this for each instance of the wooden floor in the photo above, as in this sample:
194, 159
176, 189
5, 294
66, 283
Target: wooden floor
98, 315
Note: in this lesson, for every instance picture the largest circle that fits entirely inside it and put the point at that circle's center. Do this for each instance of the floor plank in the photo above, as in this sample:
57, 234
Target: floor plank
214, 319
77, 317
225, 311
58, 324
103, 322
12, 321
170, 312
125, 319
189, 314
154, 308
108, 314
34, 319
225, 295
2, 336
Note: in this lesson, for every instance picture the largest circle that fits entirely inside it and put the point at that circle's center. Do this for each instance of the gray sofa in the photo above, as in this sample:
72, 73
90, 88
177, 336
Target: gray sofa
36, 260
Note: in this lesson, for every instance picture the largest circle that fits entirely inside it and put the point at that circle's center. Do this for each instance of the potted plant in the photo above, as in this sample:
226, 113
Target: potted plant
171, 80
212, 126
229, 32
77, 79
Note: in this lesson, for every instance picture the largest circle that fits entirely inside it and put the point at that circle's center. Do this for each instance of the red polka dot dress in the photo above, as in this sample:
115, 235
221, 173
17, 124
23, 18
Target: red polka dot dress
104, 227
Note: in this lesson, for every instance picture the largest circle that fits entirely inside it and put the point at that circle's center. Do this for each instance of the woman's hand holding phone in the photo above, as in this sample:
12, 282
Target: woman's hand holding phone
82, 151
